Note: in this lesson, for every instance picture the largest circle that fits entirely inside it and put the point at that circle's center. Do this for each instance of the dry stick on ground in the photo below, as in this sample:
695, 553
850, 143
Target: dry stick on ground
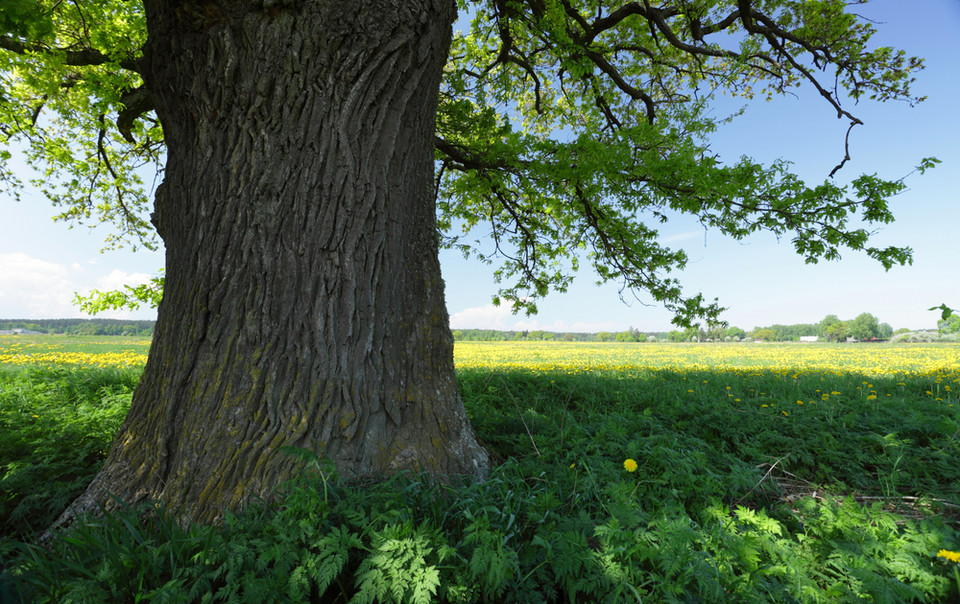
754, 487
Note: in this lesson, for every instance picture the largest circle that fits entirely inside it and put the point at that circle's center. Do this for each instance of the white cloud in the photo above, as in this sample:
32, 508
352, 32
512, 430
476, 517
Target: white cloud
564, 326
681, 237
31, 288
483, 317
502, 318
116, 279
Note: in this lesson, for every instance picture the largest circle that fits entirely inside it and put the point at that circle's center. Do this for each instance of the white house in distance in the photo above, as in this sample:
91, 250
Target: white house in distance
809, 338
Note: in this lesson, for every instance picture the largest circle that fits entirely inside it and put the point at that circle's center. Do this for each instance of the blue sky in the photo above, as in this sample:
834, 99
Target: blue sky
43, 263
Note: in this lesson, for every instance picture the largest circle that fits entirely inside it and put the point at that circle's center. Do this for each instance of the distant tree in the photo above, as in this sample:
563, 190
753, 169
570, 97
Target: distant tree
949, 325
864, 327
837, 332
712, 331
734, 333
884, 331
832, 329
625, 336
765, 333
676, 336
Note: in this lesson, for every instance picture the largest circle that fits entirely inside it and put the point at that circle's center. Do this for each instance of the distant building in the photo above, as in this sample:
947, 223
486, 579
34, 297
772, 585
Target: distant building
809, 338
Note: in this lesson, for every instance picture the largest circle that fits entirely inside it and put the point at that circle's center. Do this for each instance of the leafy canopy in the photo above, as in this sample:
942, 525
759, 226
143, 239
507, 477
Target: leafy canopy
568, 130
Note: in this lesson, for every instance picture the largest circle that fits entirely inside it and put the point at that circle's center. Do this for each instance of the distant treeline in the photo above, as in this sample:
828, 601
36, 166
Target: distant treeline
80, 327
492, 335
865, 327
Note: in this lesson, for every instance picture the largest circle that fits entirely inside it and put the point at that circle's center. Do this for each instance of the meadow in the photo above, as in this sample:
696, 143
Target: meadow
624, 473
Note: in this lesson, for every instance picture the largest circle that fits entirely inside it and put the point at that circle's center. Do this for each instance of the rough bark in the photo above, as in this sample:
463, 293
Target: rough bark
303, 303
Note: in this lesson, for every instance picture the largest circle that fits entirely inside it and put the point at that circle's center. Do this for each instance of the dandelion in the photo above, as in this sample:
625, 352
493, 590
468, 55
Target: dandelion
952, 556
630, 465
785, 414
872, 397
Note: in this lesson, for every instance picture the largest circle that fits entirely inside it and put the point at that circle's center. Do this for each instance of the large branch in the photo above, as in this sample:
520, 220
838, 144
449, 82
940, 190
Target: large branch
75, 58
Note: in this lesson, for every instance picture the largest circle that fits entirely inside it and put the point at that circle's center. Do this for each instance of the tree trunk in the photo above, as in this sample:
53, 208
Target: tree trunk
303, 304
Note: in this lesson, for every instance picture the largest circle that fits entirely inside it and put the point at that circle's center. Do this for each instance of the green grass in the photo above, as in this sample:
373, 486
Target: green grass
759, 499
56, 425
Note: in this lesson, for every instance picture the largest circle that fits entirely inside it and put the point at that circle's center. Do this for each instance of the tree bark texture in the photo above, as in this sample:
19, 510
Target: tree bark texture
303, 304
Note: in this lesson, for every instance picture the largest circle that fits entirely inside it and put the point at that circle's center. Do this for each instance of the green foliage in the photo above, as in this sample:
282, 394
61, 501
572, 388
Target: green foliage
755, 500
131, 297
634, 147
21, 19
765, 334
951, 324
945, 311
70, 73
833, 329
864, 327
55, 428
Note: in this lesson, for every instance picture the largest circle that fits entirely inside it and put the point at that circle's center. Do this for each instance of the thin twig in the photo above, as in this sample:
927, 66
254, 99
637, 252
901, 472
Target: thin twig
753, 488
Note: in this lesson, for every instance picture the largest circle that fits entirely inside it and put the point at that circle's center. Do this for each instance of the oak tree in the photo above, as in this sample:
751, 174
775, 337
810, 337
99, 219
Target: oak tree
315, 155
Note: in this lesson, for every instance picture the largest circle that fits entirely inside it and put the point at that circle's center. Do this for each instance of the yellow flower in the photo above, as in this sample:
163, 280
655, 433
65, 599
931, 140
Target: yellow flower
872, 397
952, 556
630, 465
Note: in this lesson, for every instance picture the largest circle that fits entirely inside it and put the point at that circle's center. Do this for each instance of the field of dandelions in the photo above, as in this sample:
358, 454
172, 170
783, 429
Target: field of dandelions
623, 472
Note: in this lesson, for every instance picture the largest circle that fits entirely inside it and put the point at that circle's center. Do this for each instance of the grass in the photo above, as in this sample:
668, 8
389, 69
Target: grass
763, 474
